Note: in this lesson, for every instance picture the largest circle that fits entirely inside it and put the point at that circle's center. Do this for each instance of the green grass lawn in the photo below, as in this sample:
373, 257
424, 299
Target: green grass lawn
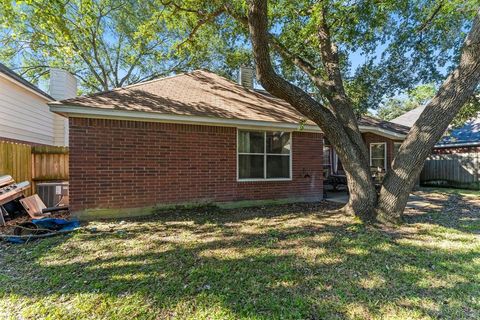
279, 262
463, 192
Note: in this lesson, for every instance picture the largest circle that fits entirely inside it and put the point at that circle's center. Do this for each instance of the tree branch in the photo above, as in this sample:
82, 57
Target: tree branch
340, 102
276, 85
427, 22
207, 18
286, 54
430, 126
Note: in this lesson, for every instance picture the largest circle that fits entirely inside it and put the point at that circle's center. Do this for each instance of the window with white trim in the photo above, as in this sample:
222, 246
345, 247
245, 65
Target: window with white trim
264, 155
327, 159
378, 155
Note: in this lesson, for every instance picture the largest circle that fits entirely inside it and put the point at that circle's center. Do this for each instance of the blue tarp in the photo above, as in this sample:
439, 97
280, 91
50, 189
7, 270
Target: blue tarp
53, 224
56, 224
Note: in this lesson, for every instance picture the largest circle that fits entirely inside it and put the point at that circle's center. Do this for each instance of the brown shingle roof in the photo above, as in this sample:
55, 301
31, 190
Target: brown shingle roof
206, 94
390, 126
199, 93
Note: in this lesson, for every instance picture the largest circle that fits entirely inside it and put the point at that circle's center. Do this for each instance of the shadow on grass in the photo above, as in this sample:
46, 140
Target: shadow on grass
285, 262
450, 210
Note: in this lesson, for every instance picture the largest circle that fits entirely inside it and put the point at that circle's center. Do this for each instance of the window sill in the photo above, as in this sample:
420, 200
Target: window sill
264, 180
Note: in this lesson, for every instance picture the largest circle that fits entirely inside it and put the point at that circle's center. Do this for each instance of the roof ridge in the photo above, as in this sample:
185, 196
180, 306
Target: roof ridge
133, 85
155, 80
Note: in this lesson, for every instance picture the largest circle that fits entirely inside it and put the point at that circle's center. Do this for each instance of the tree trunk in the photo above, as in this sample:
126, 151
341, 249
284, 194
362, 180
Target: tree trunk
363, 196
339, 125
429, 128
345, 137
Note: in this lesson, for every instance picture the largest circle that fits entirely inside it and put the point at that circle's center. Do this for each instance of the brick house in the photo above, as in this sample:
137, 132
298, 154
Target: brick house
197, 137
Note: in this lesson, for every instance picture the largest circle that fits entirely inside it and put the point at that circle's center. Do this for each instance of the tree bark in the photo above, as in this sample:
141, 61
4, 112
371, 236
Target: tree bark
429, 128
363, 197
340, 127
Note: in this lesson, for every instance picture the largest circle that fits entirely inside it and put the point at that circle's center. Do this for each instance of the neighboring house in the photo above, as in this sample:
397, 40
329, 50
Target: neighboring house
410, 117
24, 113
197, 137
455, 159
457, 140
463, 139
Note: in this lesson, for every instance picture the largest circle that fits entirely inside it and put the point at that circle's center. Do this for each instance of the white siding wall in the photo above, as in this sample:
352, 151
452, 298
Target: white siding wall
63, 85
25, 116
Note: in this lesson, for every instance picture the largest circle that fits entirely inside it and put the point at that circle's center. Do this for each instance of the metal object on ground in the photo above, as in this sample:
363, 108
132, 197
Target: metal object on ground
34, 206
6, 180
53, 193
10, 191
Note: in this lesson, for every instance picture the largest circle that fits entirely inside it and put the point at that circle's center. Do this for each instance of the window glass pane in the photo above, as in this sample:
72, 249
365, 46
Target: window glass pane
278, 142
278, 166
378, 163
250, 142
378, 151
250, 166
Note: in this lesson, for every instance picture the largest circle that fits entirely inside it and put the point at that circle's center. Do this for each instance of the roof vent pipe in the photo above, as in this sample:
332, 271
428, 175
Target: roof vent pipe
245, 77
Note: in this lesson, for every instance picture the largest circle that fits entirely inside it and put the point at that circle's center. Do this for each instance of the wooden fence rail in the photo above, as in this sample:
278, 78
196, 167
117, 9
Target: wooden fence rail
33, 163
460, 170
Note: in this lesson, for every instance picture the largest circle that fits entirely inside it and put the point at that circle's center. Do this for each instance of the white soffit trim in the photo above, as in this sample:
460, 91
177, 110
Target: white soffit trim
382, 132
87, 112
24, 86
455, 145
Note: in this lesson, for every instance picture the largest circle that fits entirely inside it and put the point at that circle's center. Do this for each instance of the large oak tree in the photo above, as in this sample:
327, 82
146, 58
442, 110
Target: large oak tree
330, 59
303, 45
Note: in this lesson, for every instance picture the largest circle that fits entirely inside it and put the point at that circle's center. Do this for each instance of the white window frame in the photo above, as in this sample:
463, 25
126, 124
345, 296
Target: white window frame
265, 154
330, 160
394, 144
385, 153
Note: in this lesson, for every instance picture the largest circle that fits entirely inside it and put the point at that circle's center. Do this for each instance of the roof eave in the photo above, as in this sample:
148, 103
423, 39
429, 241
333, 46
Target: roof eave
89, 112
456, 145
38, 92
382, 132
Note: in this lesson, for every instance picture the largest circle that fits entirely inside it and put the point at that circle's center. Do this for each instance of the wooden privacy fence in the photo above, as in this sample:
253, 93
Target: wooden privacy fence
33, 163
461, 170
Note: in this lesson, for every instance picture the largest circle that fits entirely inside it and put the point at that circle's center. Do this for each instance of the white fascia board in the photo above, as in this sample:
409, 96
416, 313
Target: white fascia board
24, 87
382, 132
455, 145
87, 112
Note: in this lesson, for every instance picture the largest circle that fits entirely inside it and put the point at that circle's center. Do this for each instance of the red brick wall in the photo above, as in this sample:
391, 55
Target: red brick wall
128, 164
373, 138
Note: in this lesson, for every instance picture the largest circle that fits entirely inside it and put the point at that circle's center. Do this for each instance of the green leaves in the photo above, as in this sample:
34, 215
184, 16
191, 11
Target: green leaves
385, 47
105, 43
419, 96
